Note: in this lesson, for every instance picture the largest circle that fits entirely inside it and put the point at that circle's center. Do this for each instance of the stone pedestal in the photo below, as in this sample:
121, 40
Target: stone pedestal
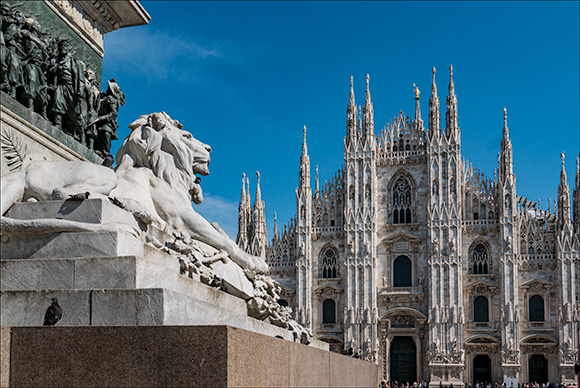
170, 356
107, 278
131, 319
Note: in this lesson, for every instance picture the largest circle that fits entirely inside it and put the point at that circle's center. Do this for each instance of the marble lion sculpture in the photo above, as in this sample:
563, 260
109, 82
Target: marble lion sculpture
155, 179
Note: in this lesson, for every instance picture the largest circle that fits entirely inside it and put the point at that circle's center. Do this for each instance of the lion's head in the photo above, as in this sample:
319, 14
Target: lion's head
158, 142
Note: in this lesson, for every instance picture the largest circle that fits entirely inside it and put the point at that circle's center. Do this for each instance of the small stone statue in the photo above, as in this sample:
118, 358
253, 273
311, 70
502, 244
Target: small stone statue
69, 86
12, 52
41, 72
93, 98
34, 82
107, 120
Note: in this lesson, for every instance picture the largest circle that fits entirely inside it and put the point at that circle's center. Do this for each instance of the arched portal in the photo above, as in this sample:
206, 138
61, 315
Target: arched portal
403, 357
481, 369
538, 369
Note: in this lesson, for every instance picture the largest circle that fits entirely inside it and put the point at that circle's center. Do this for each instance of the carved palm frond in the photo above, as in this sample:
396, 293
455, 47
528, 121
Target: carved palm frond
13, 149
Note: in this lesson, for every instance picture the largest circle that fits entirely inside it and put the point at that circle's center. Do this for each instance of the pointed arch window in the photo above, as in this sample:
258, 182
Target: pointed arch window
402, 272
536, 309
480, 260
480, 309
402, 201
328, 264
329, 311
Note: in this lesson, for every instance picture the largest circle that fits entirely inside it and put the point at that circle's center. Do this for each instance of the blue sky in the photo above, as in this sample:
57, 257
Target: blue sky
245, 77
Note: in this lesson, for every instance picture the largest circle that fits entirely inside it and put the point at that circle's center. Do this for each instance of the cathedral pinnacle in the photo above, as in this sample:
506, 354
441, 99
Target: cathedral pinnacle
351, 114
275, 237
563, 177
418, 120
304, 177
243, 196
351, 96
317, 183
368, 115
577, 173
304, 147
258, 190
506, 133
576, 200
434, 109
368, 92
451, 115
451, 84
564, 215
433, 85
248, 199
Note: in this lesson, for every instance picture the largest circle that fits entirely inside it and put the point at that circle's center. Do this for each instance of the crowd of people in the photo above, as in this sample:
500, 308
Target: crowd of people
424, 384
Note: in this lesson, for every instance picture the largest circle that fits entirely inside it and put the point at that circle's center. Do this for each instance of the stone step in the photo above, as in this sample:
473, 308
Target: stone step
125, 307
69, 245
92, 210
154, 269
66, 245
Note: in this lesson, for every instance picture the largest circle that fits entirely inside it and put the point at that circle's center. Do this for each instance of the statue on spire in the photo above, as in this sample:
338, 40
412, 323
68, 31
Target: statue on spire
417, 91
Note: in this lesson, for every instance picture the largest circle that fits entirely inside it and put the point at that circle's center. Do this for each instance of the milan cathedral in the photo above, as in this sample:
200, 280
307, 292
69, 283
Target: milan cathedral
412, 258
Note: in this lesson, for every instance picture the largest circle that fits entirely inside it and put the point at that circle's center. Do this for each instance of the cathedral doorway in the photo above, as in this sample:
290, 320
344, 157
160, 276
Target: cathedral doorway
481, 369
403, 356
538, 369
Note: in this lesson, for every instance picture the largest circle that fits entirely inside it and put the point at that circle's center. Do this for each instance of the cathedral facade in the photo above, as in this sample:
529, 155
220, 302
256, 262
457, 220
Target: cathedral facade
412, 258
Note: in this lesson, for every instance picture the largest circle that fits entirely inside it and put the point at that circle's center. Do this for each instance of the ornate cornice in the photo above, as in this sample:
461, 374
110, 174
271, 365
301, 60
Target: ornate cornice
94, 18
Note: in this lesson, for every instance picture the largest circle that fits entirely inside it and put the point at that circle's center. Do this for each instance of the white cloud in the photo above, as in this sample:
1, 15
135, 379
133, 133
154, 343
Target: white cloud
225, 212
158, 55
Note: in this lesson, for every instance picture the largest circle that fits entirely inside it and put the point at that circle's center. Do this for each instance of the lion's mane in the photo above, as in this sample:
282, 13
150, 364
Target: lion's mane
157, 142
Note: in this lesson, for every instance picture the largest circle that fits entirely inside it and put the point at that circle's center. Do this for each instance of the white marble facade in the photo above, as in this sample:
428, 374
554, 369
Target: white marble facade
414, 259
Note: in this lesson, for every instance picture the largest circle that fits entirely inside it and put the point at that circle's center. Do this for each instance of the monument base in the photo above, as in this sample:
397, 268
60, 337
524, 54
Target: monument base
111, 278
170, 356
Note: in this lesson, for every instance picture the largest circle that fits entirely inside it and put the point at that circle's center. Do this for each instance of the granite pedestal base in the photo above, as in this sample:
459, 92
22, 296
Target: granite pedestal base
171, 356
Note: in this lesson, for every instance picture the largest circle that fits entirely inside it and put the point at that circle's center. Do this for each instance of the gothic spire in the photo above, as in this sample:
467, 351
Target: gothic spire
368, 115
243, 194
564, 216
317, 192
505, 167
304, 163
451, 84
351, 114
351, 96
576, 199
259, 234
451, 116
506, 132
243, 221
563, 177
433, 84
577, 173
434, 117
304, 146
258, 190
248, 198
368, 92
275, 237
417, 105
